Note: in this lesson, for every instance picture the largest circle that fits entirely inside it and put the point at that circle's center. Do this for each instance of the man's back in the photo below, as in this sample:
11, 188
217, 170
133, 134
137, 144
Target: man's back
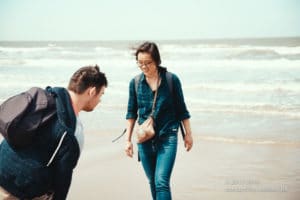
24, 171
56, 151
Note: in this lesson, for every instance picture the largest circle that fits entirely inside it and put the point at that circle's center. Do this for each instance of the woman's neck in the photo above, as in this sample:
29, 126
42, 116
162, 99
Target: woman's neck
153, 75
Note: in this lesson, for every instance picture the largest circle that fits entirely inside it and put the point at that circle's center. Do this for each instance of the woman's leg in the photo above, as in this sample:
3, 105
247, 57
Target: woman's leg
166, 154
147, 154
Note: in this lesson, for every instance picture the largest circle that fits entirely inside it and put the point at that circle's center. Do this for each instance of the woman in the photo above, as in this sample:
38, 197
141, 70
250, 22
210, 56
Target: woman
157, 154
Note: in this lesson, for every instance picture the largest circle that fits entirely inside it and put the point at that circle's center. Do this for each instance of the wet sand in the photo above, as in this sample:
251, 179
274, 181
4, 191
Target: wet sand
212, 170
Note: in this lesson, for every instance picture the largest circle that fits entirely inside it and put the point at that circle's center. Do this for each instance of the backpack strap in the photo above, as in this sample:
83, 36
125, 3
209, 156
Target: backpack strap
137, 79
169, 76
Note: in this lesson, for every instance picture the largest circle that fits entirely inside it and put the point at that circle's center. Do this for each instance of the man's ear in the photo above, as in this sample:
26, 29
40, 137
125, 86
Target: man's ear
92, 91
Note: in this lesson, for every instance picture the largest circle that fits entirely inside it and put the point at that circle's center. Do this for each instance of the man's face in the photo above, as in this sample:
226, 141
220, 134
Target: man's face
93, 101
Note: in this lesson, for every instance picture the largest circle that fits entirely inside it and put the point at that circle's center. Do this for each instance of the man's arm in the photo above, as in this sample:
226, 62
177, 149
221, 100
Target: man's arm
65, 163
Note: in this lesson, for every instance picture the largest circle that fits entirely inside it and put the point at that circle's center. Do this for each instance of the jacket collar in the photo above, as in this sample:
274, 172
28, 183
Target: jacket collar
65, 111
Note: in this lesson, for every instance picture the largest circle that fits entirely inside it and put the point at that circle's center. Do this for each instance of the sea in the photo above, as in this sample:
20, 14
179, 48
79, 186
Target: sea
236, 90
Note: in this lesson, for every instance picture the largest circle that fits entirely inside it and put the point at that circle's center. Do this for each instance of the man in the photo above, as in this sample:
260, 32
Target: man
43, 169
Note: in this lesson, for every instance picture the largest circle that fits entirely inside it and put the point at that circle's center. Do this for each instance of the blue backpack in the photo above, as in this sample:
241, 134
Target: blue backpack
22, 114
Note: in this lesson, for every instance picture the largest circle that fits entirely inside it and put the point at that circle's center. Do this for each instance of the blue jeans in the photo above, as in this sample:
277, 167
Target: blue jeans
158, 158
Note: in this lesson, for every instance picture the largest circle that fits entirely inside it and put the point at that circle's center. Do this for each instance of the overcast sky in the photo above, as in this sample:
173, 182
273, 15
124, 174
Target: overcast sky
147, 19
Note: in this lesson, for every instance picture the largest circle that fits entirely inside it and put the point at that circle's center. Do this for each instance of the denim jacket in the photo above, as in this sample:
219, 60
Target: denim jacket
23, 172
170, 108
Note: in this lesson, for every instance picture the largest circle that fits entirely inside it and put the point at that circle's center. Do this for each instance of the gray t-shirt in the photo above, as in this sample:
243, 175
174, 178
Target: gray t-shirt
79, 133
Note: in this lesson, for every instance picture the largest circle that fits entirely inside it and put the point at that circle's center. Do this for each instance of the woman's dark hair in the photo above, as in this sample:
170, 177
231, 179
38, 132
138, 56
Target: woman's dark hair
85, 77
152, 49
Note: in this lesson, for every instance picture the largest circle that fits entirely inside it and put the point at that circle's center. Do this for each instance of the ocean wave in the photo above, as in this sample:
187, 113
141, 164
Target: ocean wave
57, 52
107, 63
48, 62
233, 52
111, 51
6, 61
263, 54
281, 87
199, 51
30, 49
22, 49
292, 111
249, 141
256, 54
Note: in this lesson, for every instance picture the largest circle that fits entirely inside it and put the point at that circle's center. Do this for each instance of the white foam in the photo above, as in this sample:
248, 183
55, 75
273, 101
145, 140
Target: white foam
245, 87
227, 50
249, 141
253, 108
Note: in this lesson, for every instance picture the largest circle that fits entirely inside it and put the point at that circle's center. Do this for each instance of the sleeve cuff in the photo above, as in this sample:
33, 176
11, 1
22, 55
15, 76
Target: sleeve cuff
131, 116
184, 116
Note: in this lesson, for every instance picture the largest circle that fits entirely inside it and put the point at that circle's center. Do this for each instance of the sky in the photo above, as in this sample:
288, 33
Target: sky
144, 19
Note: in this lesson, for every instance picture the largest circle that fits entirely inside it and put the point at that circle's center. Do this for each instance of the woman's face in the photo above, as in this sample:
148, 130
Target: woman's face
146, 64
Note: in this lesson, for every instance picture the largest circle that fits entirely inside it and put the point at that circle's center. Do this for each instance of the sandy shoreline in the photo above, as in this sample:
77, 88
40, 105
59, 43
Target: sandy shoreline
212, 170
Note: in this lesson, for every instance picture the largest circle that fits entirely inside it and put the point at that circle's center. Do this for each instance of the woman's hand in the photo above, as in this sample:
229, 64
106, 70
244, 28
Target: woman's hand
128, 145
188, 139
129, 149
188, 142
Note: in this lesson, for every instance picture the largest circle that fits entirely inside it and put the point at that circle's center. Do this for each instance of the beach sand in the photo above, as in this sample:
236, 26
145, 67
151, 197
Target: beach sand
212, 170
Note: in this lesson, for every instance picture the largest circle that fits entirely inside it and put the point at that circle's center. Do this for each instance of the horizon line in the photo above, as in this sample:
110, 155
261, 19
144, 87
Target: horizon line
179, 39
